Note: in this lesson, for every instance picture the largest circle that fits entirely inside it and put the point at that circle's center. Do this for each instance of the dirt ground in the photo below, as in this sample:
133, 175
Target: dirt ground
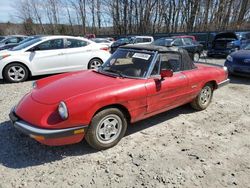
178, 148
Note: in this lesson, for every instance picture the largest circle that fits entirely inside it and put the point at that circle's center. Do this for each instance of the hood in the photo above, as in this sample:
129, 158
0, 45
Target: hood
61, 87
225, 35
241, 54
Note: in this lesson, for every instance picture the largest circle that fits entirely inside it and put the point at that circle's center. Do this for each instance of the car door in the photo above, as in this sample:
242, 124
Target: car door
169, 92
78, 54
48, 57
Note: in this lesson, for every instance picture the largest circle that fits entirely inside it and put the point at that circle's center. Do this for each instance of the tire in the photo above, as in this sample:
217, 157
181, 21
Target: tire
94, 63
106, 129
204, 98
15, 72
196, 57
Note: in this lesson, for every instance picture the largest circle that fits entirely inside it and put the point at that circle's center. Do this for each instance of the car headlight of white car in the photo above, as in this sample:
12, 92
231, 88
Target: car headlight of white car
62, 110
229, 58
4, 56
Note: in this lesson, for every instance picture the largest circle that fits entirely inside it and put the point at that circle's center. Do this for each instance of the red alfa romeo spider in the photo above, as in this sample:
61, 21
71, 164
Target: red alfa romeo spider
135, 83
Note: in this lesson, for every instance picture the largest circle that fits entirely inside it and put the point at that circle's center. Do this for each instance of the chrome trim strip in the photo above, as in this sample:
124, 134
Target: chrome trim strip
223, 83
47, 133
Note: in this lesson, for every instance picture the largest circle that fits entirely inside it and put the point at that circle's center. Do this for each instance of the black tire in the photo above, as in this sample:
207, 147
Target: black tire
98, 129
15, 72
94, 63
201, 102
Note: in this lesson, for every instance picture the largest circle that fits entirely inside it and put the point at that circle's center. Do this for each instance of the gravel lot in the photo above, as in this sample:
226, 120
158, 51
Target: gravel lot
179, 148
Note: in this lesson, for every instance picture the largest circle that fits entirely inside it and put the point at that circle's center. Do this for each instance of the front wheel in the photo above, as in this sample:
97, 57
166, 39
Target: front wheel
15, 72
204, 98
106, 129
94, 63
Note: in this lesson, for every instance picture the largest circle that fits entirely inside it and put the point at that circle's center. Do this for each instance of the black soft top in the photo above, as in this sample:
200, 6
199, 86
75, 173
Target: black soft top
187, 62
150, 47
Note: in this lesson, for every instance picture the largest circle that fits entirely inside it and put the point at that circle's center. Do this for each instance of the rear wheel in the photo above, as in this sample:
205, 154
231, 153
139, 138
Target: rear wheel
196, 57
106, 129
15, 72
94, 63
204, 98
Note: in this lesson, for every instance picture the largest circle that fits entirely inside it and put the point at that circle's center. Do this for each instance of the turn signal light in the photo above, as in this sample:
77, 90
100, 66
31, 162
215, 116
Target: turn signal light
36, 137
79, 131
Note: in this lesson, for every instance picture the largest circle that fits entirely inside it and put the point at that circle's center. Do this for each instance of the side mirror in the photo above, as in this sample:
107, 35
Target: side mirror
166, 73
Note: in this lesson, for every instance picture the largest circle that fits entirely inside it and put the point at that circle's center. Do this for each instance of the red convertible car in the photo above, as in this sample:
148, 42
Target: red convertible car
135, 83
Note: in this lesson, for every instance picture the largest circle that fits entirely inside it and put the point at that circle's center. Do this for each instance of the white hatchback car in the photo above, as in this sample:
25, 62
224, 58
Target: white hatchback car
49, 55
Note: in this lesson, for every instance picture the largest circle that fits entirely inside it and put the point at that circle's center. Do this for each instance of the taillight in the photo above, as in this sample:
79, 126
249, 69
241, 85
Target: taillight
105, 48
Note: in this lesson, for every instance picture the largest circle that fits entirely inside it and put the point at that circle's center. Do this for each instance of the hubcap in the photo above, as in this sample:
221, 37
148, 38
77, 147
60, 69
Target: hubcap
205, 96
109, 129
196, 57
16, 73
95, 64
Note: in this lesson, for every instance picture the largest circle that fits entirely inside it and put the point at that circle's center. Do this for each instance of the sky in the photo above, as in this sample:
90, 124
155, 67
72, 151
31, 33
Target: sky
6, 10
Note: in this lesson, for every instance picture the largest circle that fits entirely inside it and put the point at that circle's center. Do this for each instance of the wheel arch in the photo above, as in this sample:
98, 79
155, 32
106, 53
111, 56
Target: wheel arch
118, 106
30, 73
213, 83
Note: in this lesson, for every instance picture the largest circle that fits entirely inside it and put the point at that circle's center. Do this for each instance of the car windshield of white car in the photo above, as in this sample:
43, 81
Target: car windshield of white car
26, 44
128, 63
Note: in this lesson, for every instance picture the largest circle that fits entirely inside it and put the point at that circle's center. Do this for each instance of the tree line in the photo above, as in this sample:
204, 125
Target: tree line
123, 17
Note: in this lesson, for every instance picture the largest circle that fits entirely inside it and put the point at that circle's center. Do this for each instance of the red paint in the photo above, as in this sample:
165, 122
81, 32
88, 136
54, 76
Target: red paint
86, 92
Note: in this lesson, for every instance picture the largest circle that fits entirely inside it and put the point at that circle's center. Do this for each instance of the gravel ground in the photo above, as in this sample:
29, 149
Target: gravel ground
178, 148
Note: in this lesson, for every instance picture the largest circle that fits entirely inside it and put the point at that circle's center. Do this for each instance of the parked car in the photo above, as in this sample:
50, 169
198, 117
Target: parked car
12, 39
138, 81
238, 62
103, 41
227, 42
12, 45
90, 36
194, 49
131, 40
187, 36
49, 55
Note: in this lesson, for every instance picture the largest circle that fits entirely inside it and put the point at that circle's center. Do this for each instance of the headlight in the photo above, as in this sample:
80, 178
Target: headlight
62, 110
34, 85
4, 56
229, 58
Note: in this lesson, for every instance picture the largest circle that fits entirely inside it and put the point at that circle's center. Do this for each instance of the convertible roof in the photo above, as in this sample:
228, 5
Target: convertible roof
150, 47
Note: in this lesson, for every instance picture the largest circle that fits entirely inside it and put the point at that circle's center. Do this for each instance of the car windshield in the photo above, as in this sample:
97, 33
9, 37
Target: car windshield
123, 40
163, 42
26, 44
128, 63
247, 47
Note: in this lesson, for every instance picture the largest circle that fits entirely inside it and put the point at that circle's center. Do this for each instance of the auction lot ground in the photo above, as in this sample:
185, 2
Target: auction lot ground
179, 148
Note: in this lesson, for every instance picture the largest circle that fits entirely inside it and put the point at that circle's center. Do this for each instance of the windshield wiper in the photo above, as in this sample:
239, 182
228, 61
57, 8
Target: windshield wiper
114, 71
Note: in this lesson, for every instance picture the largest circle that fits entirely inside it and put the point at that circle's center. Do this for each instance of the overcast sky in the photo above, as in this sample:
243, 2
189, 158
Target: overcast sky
6, 10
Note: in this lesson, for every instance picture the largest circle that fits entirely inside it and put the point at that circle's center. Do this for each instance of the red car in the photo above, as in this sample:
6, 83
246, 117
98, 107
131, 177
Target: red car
187, 36
135, 83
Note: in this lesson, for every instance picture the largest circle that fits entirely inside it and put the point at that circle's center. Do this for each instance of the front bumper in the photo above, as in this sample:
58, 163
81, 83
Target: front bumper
48, 136
238, 69
213, 52
223, 83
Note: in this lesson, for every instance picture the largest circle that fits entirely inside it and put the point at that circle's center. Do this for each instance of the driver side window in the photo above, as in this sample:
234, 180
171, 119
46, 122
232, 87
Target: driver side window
167, 61
51, 45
